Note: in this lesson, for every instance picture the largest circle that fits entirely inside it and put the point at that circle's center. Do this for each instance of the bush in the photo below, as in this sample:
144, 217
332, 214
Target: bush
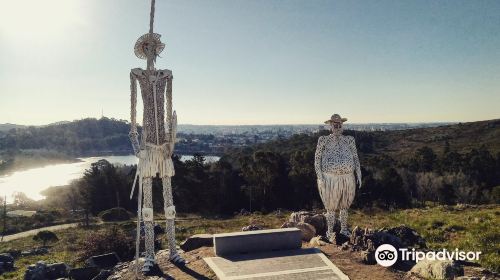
115, 215
107, 241
45, 236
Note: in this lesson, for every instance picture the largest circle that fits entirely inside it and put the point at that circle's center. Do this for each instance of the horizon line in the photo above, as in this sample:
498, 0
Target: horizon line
270, 124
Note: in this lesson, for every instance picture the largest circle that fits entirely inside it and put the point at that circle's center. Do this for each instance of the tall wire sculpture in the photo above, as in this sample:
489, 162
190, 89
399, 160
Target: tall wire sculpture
156, 145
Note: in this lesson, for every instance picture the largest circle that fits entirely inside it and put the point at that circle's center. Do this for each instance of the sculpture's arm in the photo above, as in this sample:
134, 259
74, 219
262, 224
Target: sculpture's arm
134, 136
320, 147
357, 166
171, 117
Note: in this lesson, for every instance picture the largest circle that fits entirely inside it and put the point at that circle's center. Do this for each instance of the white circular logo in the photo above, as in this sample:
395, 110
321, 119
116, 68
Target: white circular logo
386, 255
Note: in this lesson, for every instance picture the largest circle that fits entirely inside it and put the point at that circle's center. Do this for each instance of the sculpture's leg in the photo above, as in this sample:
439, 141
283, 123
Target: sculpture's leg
170, 216
147, 214
343, 223
330, 223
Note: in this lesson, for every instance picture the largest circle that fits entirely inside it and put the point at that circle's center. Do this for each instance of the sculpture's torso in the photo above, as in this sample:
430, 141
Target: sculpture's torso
337, 157
150, 118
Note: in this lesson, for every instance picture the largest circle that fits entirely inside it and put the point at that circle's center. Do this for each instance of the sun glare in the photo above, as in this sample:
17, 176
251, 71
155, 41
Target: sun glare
34, 21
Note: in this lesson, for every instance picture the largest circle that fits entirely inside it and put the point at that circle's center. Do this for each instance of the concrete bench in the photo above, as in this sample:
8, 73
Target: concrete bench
257, 241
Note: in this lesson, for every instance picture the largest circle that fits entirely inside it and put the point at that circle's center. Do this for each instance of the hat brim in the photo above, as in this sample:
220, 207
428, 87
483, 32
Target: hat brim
148, 38
333, 121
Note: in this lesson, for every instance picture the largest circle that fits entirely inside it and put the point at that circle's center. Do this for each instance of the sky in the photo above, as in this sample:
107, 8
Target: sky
255, 61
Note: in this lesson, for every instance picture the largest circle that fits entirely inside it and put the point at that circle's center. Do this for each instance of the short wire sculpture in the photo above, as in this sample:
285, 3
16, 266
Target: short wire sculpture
336, 162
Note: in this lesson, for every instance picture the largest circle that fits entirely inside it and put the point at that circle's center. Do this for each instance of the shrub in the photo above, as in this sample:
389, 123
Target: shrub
115, 215
107, 241
45, 236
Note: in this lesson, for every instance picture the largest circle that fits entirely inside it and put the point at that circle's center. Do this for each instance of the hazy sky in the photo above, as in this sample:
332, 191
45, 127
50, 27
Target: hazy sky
255, 62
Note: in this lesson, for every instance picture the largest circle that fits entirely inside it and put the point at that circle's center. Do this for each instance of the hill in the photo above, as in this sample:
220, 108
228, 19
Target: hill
462, 137
8, 126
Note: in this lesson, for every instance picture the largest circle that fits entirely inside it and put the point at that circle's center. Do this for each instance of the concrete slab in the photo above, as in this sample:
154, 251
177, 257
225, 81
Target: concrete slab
257, 241
299, 264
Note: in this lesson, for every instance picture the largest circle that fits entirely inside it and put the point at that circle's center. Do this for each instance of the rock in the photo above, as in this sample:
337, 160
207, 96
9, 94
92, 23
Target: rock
383, 237
408, 236
84, 273
467, 278
339, 239
288, 225
57, 270
6, 262
318, 222
36, 271
436, 269
317, 241
308, 231
368, 257
103, 275
252, 227
103, 261
158, 229
35, 251
196, 241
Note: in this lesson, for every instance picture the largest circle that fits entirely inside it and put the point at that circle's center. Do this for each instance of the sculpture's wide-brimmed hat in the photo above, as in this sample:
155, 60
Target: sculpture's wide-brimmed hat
148, 39
335, 118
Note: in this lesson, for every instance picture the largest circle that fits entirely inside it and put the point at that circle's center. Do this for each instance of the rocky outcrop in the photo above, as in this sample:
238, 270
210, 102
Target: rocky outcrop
252, 227
43, 271
318, 221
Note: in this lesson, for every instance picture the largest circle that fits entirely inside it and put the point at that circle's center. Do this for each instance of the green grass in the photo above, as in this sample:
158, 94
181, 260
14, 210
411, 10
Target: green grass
474, 229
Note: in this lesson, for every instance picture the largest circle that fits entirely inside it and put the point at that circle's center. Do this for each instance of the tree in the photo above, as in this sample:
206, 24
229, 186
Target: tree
424, 160
45, 236
22, 200
391, 186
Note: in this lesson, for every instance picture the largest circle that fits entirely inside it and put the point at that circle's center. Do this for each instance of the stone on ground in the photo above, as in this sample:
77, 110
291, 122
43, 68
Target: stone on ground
196, 241
436, 269
307, 230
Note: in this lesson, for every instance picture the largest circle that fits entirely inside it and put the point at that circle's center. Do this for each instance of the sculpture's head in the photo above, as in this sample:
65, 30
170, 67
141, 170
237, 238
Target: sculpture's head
336, 123
149, 46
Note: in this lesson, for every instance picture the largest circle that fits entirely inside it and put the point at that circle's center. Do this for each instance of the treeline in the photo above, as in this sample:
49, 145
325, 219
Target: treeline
280, 174
82, 137
86, 137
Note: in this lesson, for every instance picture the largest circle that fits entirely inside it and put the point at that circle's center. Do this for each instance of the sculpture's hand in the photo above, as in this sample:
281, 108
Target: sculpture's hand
141, 154
134, 139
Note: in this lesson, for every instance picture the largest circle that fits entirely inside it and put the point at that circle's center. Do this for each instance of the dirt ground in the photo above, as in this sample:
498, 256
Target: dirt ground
348, 262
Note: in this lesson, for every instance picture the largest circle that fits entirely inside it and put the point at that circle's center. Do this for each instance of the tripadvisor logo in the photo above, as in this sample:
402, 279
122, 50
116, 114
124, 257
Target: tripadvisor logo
386, 255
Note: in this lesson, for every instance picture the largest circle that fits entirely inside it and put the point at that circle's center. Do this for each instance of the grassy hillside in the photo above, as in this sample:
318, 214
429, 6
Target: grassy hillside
469, 228
461, 137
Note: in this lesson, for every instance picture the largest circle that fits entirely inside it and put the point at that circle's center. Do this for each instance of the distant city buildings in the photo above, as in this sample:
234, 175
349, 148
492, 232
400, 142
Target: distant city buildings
214, 139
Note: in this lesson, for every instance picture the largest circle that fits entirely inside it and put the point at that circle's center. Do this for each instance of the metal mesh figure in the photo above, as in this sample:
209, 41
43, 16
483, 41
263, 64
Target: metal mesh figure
336, 163
157, 143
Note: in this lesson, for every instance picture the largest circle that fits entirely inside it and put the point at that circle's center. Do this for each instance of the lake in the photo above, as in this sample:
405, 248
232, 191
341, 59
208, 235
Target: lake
33, 181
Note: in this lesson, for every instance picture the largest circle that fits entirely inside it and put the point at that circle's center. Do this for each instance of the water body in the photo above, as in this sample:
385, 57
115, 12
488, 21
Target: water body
33, 181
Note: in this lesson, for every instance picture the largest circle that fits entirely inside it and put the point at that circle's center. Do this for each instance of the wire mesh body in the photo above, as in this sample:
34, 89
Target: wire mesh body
337, 165
155, 153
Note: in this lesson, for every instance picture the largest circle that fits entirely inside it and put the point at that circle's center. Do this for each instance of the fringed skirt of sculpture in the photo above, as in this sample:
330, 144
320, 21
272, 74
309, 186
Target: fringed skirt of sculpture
337, 191
156, 160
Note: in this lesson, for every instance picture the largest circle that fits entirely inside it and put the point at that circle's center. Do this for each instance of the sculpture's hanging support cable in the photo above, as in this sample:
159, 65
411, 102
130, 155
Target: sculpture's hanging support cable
152, 17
